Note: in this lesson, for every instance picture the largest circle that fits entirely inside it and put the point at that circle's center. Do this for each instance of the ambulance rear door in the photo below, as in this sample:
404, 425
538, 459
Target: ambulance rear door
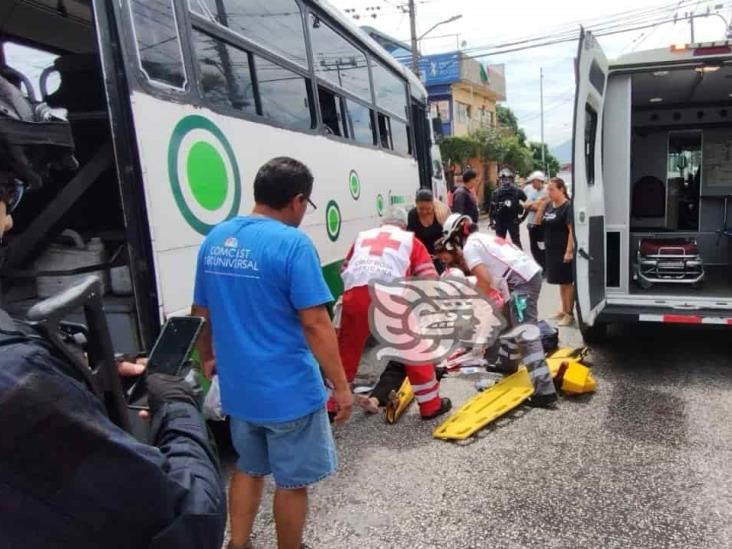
588, 202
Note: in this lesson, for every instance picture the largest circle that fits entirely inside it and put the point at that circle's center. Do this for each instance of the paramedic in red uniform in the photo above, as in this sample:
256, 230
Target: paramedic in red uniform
385, 254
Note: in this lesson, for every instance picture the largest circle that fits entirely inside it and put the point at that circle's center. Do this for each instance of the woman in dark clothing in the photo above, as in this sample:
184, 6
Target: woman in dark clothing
422, 220
559, 242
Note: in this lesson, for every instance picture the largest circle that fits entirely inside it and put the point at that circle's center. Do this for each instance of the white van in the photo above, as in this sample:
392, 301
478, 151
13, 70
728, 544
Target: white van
652, 171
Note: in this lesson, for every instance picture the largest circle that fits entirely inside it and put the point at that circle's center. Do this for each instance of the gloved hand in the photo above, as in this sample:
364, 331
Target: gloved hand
163, 388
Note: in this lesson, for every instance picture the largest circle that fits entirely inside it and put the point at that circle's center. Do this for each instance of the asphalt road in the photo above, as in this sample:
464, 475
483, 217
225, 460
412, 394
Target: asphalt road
643, 463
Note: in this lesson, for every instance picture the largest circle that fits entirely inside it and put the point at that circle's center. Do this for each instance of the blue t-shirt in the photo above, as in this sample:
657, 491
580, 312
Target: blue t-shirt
253, 275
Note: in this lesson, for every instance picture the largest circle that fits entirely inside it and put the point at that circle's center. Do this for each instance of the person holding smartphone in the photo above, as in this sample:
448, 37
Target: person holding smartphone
69, 477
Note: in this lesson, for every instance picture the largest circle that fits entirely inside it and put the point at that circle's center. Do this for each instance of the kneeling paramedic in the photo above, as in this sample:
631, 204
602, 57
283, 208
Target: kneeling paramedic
385, 254
499, 265
69, 477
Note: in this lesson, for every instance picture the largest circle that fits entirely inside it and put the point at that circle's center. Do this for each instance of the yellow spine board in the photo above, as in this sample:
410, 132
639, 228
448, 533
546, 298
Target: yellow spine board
510, 392
405, 396
487, 406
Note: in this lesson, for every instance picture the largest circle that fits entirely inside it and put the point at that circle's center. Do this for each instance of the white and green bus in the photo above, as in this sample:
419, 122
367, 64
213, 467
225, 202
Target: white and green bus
175, 104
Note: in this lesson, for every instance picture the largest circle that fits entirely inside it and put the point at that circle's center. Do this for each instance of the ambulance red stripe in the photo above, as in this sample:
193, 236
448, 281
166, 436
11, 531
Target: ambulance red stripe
686, 319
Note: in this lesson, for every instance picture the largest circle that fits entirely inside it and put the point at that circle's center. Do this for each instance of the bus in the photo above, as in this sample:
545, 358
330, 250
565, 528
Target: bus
652, 197
173, 106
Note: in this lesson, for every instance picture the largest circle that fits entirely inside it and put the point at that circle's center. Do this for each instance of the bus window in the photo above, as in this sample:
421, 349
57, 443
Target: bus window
337, 61
360, 120
331, 110
226, 79
158, 43
284, 95
275, 24
400, 137
385, 131
390, 90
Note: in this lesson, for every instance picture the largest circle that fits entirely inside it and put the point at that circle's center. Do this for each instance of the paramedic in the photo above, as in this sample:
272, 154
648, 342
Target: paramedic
385, 254
506, 207
499, 265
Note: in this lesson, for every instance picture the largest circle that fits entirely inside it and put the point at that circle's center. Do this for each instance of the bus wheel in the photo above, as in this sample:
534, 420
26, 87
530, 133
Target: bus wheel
595, 334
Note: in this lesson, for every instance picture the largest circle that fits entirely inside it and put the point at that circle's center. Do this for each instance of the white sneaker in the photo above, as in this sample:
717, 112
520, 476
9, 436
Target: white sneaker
566, 320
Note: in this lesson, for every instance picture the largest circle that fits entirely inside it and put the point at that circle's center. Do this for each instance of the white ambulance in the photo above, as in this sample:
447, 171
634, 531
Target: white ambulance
652, 171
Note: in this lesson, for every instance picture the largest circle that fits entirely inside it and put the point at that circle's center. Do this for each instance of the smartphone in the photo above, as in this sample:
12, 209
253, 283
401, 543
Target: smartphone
169, 354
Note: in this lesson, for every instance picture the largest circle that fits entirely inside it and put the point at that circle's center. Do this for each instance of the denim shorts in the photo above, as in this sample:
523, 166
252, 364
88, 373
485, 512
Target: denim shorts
297, 453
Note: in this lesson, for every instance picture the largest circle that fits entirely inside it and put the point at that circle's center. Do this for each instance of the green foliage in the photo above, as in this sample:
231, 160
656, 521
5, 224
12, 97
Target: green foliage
458, 149
504, 144
552, 163
507, 119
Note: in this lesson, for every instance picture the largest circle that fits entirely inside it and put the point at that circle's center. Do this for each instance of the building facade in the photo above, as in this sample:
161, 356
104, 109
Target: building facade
462, 92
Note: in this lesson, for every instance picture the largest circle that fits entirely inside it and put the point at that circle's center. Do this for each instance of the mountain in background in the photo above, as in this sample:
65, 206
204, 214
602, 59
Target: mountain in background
563, 151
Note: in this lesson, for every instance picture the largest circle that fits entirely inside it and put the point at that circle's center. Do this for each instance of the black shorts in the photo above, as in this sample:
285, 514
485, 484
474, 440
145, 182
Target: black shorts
557, 271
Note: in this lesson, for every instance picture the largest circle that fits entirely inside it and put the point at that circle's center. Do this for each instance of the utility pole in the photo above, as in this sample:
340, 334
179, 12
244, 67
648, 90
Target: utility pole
690, 15
541, 106
413, 30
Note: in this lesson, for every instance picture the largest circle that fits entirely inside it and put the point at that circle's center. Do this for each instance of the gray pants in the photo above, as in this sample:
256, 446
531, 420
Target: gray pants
529, 290
524, 340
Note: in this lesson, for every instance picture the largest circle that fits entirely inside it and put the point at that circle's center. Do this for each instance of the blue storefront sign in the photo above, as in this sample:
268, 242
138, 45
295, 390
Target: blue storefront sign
443, 68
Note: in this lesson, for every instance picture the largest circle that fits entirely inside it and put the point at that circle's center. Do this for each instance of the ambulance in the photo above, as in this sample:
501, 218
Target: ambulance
652, 177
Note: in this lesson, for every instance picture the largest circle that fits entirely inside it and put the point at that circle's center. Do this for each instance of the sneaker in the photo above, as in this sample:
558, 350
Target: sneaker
543, 401
445, 406
566, 320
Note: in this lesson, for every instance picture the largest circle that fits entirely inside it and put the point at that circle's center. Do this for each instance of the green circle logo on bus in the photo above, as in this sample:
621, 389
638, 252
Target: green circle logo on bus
354, 185
333, 220
380, 204
203, 172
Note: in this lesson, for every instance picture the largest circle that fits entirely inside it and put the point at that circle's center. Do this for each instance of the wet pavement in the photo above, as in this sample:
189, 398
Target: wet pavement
646, 462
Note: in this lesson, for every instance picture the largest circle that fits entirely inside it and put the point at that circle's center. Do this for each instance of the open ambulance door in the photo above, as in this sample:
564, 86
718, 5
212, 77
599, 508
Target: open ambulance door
588, 202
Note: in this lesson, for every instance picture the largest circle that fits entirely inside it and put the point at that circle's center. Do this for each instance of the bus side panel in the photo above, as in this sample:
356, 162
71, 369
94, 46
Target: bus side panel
178, 143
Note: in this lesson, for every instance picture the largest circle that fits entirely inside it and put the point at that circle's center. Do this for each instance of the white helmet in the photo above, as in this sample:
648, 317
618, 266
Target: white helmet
505, 172
457, 227
536, 174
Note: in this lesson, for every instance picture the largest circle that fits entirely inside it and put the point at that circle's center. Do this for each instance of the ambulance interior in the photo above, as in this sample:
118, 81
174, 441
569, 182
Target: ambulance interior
667, 167
75, 221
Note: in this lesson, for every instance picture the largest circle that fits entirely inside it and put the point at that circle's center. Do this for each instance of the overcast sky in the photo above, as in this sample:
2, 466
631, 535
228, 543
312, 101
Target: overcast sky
489, 22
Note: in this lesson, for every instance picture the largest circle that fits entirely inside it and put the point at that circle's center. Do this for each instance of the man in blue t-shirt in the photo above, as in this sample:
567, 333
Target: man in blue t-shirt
260, 286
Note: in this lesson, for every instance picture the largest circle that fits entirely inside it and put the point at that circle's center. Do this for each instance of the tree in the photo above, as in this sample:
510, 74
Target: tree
458, 149
552, 164
507, 119
517, 156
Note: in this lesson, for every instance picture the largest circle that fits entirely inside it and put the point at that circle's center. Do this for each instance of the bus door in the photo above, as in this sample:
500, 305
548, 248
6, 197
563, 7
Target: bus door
422, 144
591, 69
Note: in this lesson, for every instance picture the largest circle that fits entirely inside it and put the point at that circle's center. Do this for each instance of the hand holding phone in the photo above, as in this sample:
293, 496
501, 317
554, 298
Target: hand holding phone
170, 353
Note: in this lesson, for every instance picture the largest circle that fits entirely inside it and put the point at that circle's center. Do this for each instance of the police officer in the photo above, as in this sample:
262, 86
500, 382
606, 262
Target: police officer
69, 477
506, 207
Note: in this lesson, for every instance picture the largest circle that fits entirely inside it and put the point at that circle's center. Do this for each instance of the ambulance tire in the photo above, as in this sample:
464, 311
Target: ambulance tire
595, 334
